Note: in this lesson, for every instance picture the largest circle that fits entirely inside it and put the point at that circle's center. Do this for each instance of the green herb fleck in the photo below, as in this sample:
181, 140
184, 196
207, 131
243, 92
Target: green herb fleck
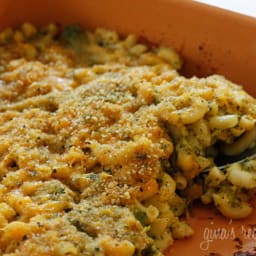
60, 190
141, 217
71, 33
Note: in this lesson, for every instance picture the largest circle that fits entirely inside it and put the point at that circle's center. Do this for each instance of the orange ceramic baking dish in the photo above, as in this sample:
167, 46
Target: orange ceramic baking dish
210, 40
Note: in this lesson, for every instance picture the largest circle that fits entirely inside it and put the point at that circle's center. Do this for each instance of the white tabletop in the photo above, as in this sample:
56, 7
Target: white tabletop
247, 7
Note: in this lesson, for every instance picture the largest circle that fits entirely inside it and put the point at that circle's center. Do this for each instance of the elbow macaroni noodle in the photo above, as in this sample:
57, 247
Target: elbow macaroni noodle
103, 144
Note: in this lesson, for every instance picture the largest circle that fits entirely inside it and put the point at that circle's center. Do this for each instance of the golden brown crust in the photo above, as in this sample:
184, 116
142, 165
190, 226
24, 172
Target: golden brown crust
87, 127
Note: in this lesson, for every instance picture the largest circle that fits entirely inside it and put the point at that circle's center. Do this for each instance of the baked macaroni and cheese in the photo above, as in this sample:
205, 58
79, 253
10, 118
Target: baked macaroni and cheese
103, 145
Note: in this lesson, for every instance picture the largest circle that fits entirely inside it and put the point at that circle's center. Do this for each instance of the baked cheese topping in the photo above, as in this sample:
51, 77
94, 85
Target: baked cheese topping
103, 144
